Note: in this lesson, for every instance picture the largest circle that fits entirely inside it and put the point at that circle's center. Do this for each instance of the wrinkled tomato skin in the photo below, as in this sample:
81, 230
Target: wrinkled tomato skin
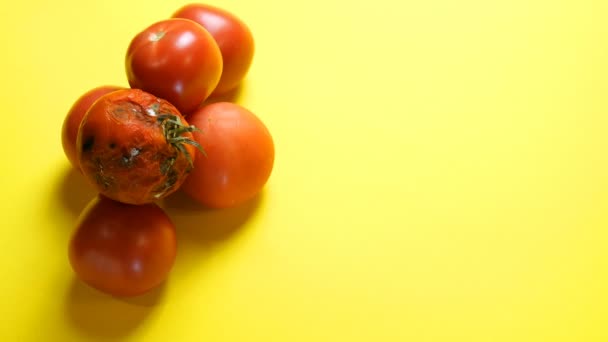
122, 249
177, 60
71, 123
233, 37
123, 150
238, 160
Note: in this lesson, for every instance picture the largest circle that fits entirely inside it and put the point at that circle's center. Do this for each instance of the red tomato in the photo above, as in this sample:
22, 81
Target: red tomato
239, 156
123, 249
134, 147
72, 121
177, 60
232, 36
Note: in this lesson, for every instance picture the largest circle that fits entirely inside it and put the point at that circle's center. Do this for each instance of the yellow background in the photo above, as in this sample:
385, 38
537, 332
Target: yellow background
441, 175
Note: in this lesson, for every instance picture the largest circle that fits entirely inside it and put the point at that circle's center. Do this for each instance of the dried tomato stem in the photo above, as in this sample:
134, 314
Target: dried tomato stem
173, 128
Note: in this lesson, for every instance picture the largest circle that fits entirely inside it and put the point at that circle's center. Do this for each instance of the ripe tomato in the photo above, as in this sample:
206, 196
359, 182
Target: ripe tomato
134, 147
122, 249
239, 156
232, 36
177, 60
69, 131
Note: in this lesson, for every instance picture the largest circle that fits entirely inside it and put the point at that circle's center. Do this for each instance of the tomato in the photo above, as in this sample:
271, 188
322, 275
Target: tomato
177, 60
69, 131
239, 156
122, 249
134, 147
232, 36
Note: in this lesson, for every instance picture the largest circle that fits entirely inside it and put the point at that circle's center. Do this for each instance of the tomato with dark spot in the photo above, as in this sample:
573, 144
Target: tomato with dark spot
122, 249
135, 147
69, 131
177, 60
239, 156
233, 37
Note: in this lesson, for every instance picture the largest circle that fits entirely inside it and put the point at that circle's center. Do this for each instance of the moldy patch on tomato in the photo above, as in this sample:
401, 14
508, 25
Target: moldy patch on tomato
128, 159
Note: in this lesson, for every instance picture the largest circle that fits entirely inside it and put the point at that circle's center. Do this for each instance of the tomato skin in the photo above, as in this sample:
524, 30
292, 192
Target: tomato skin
233, 37
123, 150
122, 249
177, 60
239, 156
71, 123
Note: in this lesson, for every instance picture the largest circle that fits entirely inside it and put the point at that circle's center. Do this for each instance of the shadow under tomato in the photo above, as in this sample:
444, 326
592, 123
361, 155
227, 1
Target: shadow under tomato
74, 191
196, 223
231, 96
103, 316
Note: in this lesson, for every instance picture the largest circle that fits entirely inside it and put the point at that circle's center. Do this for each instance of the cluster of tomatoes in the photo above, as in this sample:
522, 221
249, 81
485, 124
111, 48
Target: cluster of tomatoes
140, 144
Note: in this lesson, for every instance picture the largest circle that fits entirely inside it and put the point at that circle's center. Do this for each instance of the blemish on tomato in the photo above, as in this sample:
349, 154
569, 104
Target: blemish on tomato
128, 159
88, 144
172, 178
153, 110
167, 165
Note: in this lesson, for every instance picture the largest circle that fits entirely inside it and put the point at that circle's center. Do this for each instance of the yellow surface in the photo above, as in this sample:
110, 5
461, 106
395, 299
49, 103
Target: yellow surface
441, 175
